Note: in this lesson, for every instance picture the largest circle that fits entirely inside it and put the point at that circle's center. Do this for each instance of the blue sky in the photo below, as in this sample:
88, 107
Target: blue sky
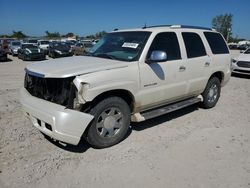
34, 17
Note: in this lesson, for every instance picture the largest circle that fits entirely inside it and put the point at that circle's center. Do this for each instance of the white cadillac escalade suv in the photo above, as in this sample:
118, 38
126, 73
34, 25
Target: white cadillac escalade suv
129, 75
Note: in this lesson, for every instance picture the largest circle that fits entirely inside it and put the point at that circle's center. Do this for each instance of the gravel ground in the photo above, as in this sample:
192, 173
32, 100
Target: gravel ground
192, 147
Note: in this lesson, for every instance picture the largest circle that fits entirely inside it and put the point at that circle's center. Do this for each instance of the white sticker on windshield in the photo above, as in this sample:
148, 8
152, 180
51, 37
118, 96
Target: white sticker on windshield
130, 45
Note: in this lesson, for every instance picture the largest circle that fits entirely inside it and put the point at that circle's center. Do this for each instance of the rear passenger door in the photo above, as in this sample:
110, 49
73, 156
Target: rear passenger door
197, 62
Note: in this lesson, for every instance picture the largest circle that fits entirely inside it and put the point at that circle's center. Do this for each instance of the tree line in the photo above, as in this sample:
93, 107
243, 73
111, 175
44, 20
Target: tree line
52, 35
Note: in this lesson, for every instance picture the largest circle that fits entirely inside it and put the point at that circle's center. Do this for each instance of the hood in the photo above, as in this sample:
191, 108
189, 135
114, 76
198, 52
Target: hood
62, 48
72, 66
15, 47
33, 50
44, 46
244, 57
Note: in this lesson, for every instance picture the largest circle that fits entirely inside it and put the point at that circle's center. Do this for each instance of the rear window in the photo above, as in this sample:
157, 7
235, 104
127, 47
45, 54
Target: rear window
194, 45
216, 43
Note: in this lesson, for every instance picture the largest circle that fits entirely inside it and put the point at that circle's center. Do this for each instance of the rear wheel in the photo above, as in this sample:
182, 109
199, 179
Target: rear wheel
211, 94
110, 124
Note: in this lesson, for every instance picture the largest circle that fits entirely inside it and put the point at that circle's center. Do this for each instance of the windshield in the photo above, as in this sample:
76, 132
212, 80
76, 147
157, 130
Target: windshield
88, 45
61, 46
124, 46
247, 51
30, 46
32, 41
44, 42
16, 43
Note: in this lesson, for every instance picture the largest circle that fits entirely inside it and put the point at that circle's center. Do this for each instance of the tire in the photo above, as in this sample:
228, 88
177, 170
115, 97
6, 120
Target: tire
24, 58
211, 94
110, 124
54, 55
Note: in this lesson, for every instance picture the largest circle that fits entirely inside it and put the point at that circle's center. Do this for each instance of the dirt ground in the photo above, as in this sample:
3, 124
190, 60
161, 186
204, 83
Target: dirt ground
190, 148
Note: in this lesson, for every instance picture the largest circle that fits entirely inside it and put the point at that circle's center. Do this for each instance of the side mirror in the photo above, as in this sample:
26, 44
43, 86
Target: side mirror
157, 56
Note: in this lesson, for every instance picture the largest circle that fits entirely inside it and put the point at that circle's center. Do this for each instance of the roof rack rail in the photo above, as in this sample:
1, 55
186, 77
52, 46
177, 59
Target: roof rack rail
180, 26
152, 26
194, 27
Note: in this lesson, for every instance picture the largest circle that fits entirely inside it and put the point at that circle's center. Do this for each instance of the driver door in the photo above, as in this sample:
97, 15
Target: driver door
163, 82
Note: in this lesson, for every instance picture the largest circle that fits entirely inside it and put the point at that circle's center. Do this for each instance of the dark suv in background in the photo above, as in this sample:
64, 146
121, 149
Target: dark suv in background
59, 49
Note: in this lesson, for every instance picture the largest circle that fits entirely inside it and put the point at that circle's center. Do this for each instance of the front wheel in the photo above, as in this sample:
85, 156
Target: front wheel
211, 94
110, 124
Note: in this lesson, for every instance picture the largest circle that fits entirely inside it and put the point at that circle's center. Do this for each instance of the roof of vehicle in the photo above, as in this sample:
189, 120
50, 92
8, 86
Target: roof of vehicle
166, 27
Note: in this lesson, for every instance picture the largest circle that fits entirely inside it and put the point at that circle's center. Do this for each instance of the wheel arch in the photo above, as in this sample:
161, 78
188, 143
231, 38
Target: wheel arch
126, 95
219, 75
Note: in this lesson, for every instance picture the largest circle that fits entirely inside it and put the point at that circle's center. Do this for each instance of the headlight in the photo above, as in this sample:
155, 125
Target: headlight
57, 51
234, 60
26, 52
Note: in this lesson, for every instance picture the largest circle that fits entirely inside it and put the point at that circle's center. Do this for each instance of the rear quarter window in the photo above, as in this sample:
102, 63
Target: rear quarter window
216, 43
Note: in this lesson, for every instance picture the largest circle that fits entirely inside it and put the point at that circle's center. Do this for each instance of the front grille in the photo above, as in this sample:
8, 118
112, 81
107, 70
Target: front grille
243, 71
245, 64
56, 90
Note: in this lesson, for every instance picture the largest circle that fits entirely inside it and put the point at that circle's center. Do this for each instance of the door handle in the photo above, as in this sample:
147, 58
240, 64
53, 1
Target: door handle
182, 68
207, 64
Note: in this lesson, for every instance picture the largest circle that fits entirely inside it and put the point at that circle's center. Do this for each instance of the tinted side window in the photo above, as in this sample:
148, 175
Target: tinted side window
194, 45
168, 43
216, 43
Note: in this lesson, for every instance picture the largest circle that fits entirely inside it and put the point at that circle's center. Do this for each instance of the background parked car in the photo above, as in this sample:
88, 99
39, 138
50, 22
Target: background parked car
82, 48
59, 49
31, 41
30, 51
3, 55
71, 43
243, 47
44, 45
4, 43
241, 65
233, 46
14, 46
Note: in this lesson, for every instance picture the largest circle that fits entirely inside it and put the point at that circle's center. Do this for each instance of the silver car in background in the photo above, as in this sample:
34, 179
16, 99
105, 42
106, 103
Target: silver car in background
44, 45
14, 46
241, 65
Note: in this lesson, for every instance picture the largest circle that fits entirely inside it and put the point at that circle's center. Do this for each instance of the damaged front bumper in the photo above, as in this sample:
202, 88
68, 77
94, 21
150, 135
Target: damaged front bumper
55, 120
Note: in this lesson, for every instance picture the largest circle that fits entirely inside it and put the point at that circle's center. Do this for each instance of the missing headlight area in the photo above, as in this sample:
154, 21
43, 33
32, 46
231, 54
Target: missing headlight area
57, 90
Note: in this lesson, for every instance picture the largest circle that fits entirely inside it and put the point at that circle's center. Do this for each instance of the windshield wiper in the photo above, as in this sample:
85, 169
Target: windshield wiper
105, 56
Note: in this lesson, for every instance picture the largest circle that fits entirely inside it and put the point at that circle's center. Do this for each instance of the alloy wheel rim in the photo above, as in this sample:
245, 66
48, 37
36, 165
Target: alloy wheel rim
109, 122
212, 93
